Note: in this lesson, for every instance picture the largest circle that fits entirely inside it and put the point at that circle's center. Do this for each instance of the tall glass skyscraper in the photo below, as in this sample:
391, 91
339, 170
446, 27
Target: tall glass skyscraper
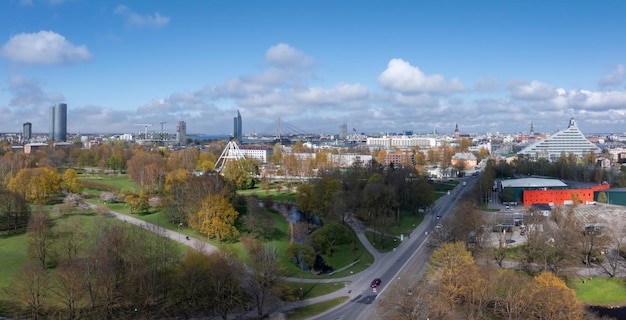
237, 130
181, 133
27, 131
58, 122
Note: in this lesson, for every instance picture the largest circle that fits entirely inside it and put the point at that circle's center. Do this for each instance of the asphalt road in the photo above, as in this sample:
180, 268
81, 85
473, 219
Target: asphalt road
408, 259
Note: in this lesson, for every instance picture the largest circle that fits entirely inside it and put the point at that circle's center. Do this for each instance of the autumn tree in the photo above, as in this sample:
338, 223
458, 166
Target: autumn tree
552, 299
147, 170
36, 184
70, 182
185, 159
206, 161
137, 202
216, 218
447, 264
175, 195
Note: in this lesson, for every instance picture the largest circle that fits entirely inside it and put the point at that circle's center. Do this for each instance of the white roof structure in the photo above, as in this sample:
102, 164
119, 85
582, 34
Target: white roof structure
568, 141
533, 183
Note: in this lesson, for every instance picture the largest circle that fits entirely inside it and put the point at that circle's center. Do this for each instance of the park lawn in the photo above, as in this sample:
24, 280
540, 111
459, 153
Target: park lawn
600, 290
390, 243
408, 223
14, 253
314, 309
312, 290
282, 196
120, 181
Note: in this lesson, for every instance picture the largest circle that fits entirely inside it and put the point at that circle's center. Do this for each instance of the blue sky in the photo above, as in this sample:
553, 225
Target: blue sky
378, 66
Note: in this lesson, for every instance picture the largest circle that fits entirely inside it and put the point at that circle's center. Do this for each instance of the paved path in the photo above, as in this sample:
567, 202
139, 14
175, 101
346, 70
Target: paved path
191, 242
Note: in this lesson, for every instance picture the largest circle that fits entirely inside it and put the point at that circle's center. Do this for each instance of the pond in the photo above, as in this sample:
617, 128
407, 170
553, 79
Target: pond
610, 312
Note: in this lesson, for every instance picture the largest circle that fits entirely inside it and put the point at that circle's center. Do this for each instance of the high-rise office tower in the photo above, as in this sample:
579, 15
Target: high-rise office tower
58, 122
27, 131
181, 133
237, 130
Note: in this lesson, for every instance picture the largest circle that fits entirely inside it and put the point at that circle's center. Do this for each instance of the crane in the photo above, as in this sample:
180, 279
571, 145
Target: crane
145, 125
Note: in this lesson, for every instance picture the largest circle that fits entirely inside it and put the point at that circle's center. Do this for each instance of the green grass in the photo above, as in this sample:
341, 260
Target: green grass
121, 181
388, 242
282, 196
312, 290
600, 290
314, 309
13, 250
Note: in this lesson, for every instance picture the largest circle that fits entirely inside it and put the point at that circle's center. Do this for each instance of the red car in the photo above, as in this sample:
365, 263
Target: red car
375, 283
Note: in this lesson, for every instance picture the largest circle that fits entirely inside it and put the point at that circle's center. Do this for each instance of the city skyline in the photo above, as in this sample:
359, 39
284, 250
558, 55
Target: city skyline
487, 66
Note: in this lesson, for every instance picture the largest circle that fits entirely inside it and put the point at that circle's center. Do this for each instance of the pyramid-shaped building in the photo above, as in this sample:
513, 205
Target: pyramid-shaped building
568, 141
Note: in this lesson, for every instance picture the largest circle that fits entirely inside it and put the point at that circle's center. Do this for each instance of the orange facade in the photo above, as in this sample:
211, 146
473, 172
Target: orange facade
561, 196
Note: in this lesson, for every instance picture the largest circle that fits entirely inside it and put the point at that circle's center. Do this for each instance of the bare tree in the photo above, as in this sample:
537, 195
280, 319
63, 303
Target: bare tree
40, 243
615, 245
407, 300
30, 289
267, 272
70, 286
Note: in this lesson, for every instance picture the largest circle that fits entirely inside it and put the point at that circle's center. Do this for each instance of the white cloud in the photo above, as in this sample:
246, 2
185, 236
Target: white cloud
28, 92
284, 55
133, 19
342, 92
403, 77
614, 78
44, 47
487, 83
534, 90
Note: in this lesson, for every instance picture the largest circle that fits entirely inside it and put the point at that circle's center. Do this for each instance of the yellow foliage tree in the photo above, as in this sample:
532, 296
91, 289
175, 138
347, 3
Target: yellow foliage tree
552, 299
37, 185
71, 183
449, 264
216, 218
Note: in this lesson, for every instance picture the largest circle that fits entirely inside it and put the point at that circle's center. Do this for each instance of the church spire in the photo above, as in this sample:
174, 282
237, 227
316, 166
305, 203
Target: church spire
456, 131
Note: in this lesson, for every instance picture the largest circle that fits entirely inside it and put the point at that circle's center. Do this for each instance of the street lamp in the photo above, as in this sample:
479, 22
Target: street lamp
180, 224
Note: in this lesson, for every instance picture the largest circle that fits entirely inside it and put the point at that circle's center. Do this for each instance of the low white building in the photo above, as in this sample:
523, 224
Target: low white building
261, 153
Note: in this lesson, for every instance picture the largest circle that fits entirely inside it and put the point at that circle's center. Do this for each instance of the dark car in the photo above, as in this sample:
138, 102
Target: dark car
375, 283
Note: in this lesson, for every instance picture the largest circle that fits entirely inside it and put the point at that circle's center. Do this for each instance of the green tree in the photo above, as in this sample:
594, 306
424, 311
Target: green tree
326, 238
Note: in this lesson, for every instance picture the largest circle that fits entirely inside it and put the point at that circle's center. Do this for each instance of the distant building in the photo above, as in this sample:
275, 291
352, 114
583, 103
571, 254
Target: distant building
567, 141
468, 158
531, 191
27, 131
389, 142
181, 133
343, 131
261, 153
237, 128
58, 122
